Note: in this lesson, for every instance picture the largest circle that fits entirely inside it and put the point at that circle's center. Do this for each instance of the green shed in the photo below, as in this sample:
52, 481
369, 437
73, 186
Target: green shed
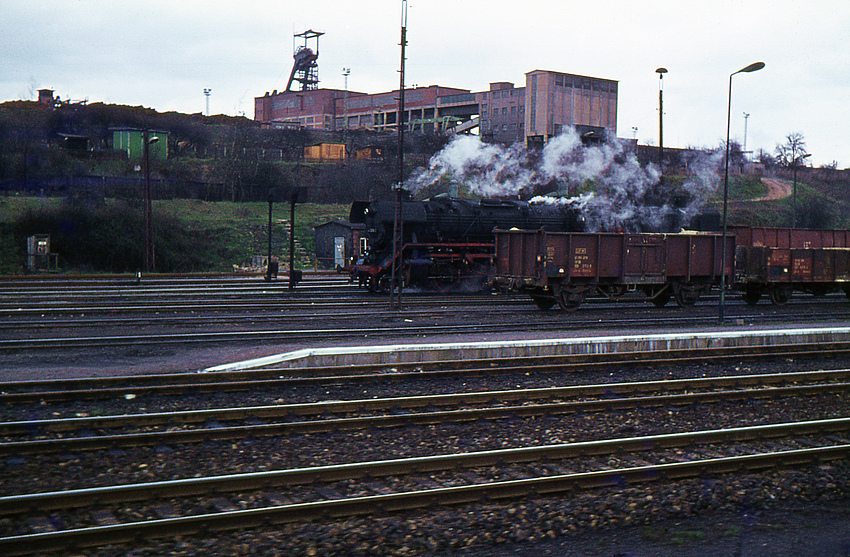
131, 141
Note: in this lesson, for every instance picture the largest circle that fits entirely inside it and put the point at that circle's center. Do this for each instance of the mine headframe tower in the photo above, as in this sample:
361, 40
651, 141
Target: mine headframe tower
305, 70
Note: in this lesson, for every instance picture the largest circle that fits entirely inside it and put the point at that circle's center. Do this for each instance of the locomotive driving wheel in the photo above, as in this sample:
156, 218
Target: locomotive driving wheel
385, 284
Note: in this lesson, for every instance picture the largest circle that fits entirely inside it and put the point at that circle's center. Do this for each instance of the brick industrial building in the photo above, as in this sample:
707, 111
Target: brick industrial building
548, 102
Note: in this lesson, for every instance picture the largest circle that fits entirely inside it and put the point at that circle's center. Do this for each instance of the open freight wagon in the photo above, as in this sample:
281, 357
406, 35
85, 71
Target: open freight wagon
778, 261
565, 268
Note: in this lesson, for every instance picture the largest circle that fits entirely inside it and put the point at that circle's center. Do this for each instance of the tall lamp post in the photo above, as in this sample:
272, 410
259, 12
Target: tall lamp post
754, 67
661, 72
150, 263
794, 164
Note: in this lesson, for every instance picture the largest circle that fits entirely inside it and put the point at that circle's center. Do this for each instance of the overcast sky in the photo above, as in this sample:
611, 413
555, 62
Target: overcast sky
162, 54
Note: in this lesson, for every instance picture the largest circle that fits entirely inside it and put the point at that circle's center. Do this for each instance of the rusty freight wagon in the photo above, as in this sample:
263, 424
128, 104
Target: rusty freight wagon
565, 268
779, 261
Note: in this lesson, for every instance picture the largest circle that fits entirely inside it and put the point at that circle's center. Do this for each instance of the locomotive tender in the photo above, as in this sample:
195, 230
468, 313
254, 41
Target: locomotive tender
565, 268
446, 243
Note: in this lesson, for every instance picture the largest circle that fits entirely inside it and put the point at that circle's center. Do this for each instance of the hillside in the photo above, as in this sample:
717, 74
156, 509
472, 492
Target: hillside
190, 235
210, 195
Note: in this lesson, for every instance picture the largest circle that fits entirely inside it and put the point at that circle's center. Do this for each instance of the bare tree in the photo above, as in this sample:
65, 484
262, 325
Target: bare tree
791, 151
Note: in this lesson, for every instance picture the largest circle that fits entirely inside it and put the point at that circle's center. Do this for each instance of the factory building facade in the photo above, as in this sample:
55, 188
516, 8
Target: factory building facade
547, 103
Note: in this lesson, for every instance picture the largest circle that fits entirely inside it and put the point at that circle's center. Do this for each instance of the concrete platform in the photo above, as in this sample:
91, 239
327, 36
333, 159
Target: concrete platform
398, 353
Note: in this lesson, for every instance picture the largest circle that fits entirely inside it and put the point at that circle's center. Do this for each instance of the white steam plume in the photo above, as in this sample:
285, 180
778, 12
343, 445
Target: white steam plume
625, 195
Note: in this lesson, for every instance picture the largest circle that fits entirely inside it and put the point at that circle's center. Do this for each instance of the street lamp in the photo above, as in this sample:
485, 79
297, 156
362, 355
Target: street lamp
794, 201
754, 67
150, 263
661, 72
345, 72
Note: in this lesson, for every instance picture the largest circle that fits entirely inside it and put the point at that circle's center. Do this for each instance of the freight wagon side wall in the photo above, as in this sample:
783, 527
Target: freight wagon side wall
790, 238
517, 258
691, 256
768, 265
536, 258
585, 258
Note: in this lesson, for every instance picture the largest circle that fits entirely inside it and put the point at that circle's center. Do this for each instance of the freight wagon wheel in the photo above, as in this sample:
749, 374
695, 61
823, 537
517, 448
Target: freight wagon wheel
780, 295
661, 298
686, 296
543, 302
569, 299
751, 297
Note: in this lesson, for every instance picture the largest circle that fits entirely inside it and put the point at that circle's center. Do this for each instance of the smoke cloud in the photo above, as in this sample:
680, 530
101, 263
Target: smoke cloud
604, 182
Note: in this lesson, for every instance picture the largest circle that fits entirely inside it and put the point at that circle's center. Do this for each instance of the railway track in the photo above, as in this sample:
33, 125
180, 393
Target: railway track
34, 437
269, 378
116, 313
326, 444
403, 484
396, 326
96, 314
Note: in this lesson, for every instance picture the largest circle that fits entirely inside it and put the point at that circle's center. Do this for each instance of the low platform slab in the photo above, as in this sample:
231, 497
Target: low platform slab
397, 353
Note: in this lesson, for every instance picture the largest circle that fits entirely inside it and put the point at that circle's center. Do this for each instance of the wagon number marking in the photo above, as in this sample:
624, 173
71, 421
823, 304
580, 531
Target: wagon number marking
582, 260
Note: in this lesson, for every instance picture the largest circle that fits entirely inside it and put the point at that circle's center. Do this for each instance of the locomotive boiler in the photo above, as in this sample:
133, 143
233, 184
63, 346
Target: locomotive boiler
445, 243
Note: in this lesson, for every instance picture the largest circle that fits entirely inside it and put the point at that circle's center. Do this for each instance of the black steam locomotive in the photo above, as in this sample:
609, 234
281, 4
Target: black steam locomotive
446, 243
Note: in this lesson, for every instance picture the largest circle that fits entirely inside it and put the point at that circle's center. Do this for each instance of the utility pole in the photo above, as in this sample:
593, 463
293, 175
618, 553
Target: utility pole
661, 72
398, 237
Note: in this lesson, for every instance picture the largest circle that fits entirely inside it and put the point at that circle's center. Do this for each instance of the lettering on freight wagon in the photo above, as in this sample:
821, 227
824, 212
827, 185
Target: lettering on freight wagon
801, 267
582, 265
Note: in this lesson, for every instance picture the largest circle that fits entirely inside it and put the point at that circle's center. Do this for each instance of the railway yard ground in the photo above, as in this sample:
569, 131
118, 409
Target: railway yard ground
129, 428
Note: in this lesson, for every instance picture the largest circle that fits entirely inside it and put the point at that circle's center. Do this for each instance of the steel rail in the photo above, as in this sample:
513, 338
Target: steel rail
199, 315
421, 401
394, 329
206, 303
196, 435
164, 384
17, 504
255, 336
547, 485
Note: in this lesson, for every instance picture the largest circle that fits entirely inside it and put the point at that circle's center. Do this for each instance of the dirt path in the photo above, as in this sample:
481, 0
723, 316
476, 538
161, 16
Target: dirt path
777, 189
